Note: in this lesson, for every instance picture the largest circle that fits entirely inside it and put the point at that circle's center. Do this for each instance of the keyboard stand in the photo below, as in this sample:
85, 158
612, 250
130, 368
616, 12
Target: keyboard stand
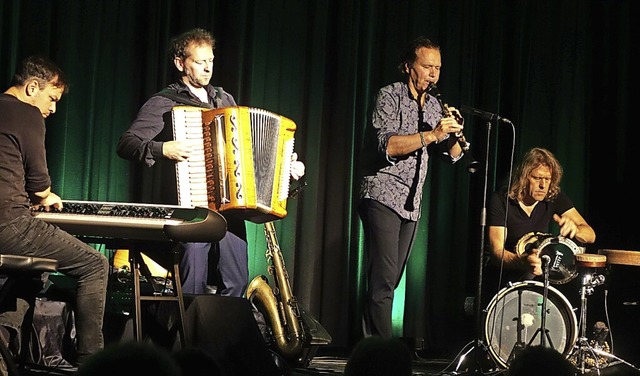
139, 268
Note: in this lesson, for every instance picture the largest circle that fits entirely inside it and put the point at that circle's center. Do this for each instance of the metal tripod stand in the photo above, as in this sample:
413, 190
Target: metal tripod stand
542, 330
588, 357
478, 354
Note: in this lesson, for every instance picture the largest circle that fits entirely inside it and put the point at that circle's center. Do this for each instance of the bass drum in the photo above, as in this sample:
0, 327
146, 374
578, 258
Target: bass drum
520, 305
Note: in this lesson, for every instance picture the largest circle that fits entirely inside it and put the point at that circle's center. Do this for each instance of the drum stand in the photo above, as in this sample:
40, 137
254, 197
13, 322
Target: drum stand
583, 350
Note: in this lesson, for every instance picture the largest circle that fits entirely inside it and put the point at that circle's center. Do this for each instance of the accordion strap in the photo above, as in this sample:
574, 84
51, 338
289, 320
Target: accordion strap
185, 99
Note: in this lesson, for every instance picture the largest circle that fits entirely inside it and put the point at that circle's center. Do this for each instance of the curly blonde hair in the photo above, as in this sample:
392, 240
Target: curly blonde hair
533, 159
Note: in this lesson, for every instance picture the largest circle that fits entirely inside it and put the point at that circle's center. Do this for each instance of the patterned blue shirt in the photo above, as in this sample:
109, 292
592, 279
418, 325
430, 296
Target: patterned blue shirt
397, 182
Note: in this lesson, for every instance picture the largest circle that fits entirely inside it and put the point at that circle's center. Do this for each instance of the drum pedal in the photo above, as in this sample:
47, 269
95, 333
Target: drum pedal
597, 353
600, 332
599, 342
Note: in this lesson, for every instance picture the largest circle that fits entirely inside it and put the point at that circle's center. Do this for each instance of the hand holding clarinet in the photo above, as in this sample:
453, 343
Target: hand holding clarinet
450, 112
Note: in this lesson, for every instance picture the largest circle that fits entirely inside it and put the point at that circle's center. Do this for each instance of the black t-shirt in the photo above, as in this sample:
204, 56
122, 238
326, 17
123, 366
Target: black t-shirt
23, 162
518, 224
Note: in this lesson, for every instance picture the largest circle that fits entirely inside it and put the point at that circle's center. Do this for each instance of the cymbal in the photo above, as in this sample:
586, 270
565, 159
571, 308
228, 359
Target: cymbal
621, 257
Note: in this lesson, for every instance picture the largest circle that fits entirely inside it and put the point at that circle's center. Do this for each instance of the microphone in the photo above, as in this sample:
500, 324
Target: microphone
546, 264
488, 116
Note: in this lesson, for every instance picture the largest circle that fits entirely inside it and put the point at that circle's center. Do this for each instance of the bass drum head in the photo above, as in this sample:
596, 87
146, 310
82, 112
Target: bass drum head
524, 300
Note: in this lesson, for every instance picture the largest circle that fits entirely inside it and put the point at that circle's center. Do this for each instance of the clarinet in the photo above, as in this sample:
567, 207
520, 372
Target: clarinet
433, 90
464, 145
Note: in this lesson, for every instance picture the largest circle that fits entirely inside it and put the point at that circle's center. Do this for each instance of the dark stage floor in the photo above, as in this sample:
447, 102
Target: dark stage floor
244, 336
463, 365
326, 365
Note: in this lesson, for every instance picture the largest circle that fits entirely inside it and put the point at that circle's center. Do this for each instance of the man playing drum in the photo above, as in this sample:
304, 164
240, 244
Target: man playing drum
526, 206
519, 218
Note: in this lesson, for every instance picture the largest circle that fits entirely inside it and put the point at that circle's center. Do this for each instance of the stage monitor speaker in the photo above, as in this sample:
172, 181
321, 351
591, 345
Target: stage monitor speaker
225, 328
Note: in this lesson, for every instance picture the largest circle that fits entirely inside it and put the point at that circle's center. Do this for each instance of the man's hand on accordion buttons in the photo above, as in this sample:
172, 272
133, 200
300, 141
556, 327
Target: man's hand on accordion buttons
176, 150
297, 167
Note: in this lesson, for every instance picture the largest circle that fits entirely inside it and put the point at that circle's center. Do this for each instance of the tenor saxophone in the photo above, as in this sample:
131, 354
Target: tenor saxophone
279, 304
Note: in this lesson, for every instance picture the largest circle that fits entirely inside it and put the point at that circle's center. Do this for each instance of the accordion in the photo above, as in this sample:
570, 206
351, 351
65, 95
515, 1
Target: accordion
240, 160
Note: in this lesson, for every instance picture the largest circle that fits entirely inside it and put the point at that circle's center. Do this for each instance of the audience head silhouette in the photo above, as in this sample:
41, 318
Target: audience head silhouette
378, 356
194, 361
128, 358
540, 360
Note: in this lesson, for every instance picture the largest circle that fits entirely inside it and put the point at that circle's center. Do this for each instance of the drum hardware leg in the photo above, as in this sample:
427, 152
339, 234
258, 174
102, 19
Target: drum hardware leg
583, 344
585, 347
584, 350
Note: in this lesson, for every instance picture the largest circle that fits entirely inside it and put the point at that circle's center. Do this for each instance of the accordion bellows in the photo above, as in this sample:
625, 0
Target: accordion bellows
240, 160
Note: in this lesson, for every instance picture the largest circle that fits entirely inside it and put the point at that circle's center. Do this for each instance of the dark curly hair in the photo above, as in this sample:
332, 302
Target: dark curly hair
179, 44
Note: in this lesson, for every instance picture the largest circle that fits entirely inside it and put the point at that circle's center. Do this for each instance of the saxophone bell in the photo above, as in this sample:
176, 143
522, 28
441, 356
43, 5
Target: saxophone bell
294, 333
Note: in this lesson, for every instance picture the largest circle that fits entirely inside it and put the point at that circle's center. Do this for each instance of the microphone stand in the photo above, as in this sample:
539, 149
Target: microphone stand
519, 345
479, 349
544, 332
483, 224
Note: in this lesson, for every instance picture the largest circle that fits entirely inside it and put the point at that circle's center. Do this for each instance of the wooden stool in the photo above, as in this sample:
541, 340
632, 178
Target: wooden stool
140, 269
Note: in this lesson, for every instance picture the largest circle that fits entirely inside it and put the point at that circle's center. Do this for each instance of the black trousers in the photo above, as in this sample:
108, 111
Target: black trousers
388, 242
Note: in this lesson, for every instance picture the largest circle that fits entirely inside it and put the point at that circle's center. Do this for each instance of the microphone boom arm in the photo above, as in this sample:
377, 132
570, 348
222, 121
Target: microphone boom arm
488, 116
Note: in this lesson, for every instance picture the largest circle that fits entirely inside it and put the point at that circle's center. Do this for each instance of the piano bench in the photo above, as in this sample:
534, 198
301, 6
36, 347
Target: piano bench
23, 277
